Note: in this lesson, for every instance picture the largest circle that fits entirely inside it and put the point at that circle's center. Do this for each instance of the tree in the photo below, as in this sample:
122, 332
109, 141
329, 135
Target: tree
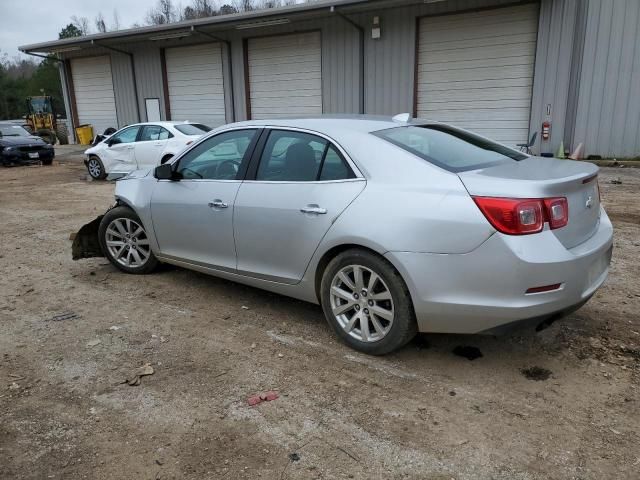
81, 23
69, 31
116, 20
100, 24
164, 12
227, 9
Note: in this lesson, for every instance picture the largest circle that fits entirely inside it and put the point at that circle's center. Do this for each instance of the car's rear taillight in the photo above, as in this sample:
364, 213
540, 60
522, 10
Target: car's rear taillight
557, 212
523, 216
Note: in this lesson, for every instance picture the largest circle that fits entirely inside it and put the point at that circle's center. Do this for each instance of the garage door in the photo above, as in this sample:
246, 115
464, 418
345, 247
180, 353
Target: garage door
285, 75
93, 89
195, 82
475, 70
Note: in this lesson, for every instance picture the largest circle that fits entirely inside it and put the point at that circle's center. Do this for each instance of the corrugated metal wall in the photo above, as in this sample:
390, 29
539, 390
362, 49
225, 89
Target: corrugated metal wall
608, 109
585, 80
148, 64
123, 89
554, 56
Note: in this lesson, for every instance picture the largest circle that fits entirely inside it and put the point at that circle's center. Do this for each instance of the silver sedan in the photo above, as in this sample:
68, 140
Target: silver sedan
393, 226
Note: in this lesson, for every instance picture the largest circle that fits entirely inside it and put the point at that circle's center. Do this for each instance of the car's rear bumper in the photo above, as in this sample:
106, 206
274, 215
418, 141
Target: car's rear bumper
485, 289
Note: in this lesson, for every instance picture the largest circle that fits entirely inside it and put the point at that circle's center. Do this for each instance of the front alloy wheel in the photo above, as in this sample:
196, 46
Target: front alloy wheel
125, 242
95, 168
361, 303
367, 303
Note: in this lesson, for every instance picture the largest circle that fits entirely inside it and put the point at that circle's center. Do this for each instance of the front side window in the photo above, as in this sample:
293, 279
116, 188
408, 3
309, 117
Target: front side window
154, 132
300, 157
218, 157
449, 148
128, 135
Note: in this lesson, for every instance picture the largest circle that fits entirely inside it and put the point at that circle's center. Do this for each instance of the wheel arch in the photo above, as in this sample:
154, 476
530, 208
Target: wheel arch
336, 250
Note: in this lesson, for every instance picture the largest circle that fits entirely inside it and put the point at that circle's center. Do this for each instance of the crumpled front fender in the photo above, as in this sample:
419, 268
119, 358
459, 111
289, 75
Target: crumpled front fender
86, 243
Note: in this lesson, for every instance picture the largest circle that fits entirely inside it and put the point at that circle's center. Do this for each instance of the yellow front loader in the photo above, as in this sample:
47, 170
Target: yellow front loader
42, 120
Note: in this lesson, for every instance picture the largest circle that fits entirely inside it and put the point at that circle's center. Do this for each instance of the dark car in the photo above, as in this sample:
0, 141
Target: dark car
19, 147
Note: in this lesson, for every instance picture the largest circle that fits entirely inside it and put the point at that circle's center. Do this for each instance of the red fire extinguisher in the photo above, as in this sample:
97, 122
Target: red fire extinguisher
546, 130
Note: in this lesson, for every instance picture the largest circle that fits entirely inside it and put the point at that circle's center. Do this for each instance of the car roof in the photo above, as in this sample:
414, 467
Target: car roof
326, 123
163, 123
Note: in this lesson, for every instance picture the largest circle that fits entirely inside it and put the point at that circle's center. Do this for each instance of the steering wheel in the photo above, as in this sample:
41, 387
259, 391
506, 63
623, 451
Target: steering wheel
228, 169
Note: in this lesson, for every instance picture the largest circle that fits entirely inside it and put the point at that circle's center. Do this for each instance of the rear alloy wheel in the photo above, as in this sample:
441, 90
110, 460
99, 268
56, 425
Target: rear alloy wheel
125, 242
367, 303
96, 168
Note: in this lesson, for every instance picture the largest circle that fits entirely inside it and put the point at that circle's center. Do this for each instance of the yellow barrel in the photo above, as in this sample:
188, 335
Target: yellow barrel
84, 134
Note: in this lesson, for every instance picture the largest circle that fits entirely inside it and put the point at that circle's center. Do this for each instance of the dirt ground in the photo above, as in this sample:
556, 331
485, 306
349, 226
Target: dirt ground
71, 332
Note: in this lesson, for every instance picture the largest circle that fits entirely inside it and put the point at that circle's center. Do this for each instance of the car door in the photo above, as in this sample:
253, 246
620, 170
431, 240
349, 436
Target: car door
297, 185
193, 215
120, 150
150, 145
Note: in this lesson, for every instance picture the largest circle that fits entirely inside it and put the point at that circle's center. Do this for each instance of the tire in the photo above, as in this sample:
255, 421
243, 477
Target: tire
47, 135
373, 301
135, 255
95, 167
62, 133
47, 162
166, 158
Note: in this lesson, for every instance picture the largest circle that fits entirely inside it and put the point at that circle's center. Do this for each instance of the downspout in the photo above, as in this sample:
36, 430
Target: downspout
361, 35
229, 61
133, 73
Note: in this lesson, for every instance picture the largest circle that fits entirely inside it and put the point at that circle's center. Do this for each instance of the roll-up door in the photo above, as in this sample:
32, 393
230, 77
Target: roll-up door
195, 83
475, 70
285, 75
93, 91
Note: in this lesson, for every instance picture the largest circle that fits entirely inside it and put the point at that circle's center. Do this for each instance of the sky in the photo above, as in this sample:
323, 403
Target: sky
32, 21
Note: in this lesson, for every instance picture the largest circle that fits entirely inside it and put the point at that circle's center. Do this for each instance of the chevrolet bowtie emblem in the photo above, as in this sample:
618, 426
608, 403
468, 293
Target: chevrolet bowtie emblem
589, 202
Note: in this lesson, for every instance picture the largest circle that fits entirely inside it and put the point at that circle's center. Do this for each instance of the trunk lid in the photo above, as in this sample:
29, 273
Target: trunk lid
537, 177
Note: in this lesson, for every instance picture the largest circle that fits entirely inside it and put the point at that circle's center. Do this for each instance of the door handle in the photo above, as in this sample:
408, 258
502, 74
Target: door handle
218, 204
158, 144
130, 147
314, 209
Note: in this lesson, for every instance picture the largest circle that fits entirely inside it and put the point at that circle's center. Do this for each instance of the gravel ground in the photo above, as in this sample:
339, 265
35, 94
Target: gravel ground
559, 404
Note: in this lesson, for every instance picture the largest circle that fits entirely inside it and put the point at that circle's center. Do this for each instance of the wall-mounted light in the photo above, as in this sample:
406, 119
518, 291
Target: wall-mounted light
263, 23
375, 30
168, 36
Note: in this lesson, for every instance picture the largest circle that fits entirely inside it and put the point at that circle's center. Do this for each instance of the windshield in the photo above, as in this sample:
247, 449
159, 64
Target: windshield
192, 128
448, 147
40, 105
13, 131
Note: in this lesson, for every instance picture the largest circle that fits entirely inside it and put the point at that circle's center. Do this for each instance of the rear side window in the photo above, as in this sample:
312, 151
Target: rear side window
448, 147
154, 132
300, 157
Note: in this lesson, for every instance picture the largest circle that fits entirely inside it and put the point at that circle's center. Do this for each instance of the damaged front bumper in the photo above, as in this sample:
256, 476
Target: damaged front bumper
86, 243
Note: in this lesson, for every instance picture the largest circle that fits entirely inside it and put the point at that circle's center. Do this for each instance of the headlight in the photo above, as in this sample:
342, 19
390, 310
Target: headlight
48, 146
9, 149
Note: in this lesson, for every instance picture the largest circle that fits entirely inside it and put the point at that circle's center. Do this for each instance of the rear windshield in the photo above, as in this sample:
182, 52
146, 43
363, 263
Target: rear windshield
449, 148
192, 128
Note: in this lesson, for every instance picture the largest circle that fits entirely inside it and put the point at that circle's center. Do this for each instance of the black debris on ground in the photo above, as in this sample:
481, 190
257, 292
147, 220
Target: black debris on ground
536, 373
468, 352
63, 316
294, 457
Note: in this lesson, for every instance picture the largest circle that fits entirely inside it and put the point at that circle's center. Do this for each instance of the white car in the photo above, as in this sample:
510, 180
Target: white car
143, 145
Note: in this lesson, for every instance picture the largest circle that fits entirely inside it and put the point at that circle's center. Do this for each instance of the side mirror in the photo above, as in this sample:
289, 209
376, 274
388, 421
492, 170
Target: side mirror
113, 141
164, 172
